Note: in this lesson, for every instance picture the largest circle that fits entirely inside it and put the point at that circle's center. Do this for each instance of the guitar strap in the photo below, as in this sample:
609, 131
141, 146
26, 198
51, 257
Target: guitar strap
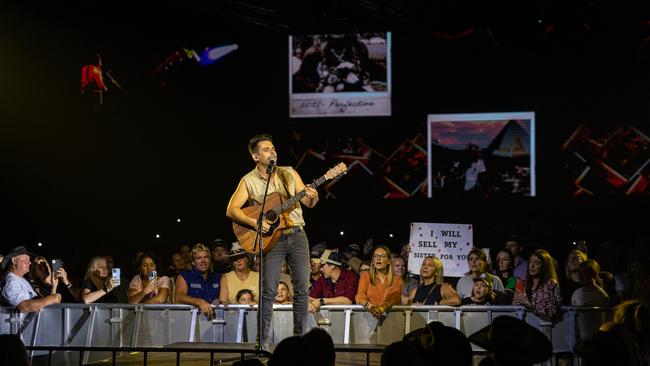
284, 178
282, 174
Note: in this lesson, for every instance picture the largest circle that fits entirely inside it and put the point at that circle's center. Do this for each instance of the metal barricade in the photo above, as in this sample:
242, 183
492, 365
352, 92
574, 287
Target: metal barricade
121, 325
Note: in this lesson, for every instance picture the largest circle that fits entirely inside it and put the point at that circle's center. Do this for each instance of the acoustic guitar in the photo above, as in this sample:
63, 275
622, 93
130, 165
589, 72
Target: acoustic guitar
276, 211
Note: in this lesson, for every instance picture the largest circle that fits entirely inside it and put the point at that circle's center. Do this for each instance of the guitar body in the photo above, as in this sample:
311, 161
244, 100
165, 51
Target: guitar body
277, 209
246, 235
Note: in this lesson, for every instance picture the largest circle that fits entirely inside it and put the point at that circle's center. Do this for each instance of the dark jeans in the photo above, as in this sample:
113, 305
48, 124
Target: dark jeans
295, 249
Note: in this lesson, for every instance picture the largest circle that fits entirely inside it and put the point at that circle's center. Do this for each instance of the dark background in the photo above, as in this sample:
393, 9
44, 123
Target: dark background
84, 180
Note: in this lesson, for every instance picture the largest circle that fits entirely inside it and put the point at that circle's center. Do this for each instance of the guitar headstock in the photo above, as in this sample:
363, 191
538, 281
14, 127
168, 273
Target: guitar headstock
339, 169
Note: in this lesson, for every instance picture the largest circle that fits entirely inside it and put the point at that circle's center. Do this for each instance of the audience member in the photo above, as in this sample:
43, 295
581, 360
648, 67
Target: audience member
320, 347
12, 351
315, 273
379, 289
430, 292
512, 342
438, 344
186, 252
120, 292
284, 295
440, 271
98, 285
177, 265
245, 297
16, 290
256, 263
410, 281
477, 269
571, 279
516, 247
481, 293
147, 287
609, 286
365, 266
401, 353
221, 261
241, 276
337, 286
505, 269
199, 286
633, 316
41, 281
291, 351
542, 293
352, 257
608, 347
591, 293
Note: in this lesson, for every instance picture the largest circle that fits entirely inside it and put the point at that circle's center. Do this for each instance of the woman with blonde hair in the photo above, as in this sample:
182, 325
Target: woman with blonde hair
379, 288
98, 284
571, 279
430, 291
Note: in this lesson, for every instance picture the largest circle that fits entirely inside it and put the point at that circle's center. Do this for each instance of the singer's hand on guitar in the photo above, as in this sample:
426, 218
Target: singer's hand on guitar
311, 192
265, 226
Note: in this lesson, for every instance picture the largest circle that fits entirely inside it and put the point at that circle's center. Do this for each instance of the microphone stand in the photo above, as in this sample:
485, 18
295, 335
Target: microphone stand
259, 241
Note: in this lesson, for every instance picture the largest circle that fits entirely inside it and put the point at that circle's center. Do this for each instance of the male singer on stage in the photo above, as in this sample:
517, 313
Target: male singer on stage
292, 245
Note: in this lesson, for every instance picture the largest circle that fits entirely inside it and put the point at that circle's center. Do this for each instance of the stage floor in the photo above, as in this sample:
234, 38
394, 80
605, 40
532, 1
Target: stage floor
230, 355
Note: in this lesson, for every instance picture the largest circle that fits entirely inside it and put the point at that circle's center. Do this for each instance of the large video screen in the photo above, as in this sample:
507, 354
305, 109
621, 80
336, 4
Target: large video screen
607, 160
482, 154
340, 75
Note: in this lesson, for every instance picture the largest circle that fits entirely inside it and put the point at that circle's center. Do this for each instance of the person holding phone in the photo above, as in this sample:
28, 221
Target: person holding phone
40, 277
98, 286
147, 287
542, 289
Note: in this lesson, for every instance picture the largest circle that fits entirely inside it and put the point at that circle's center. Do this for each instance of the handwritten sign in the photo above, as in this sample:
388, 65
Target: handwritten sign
449, 242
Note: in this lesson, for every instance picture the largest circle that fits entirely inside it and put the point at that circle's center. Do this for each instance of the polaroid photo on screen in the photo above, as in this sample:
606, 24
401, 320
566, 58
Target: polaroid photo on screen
482, 154
340, 74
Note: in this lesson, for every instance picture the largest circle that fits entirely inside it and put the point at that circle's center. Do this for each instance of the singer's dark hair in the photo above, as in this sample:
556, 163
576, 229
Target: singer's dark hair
255, 140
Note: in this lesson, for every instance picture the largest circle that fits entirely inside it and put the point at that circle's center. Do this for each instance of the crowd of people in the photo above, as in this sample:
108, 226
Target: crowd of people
375, 278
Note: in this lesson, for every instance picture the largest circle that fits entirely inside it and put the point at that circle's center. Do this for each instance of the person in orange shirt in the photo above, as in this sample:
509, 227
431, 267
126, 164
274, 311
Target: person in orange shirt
379, 288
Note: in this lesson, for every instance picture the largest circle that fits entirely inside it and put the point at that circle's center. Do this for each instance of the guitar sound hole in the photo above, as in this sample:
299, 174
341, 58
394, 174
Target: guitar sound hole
271, 216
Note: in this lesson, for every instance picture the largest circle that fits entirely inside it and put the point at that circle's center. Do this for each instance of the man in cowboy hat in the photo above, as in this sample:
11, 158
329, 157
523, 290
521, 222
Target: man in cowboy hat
220, 259
512, 342
337, 286
438, 344
16, 291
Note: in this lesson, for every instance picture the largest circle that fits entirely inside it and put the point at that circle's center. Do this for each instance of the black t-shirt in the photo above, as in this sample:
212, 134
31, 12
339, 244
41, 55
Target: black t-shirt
428, 294
109, 298
469, 301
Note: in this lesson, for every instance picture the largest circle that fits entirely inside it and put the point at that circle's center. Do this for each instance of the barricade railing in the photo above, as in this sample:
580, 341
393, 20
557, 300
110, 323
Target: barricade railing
131, 326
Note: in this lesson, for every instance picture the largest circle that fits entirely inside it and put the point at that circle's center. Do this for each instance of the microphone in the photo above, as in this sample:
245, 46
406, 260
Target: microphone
269, 168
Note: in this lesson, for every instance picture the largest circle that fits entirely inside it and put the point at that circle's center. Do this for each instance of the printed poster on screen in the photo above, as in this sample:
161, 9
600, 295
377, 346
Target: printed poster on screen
340, 74
449, 242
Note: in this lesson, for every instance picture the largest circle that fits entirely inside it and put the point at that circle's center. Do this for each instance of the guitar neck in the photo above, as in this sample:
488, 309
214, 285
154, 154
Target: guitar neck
291, 202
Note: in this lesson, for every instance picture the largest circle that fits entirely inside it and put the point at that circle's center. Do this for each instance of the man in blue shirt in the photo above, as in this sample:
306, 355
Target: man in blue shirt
199, 286
16, 291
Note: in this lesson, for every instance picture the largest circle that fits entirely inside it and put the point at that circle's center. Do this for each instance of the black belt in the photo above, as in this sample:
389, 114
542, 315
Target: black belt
293, 229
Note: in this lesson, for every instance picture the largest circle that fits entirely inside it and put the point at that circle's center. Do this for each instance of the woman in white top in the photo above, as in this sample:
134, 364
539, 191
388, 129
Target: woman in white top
591, 293
477, 269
